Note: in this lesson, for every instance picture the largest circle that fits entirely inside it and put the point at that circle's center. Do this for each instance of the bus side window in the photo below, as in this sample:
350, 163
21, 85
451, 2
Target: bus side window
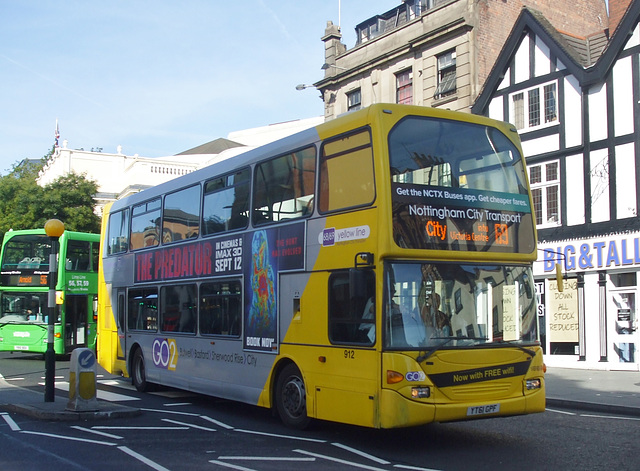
284, 187
221, 308
145, 224
181, 215
352, 314
178, 308
78, 255
142, 313
118, 232
346, 173
226, 203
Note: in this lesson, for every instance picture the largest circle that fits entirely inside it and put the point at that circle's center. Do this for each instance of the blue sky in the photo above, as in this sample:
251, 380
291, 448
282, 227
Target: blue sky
159, 76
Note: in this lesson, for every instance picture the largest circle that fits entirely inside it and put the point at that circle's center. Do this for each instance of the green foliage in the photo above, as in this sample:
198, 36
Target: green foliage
26, 205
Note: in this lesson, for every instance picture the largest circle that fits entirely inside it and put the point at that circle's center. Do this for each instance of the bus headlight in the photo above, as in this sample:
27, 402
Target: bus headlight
534, 384
421, 392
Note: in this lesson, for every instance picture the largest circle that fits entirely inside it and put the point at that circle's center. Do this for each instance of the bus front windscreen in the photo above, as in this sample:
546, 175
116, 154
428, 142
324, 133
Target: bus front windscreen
437, 305
458, 186
23, 308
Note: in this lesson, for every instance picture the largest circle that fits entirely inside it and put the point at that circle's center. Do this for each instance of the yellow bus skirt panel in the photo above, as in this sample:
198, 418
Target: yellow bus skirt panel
398, 411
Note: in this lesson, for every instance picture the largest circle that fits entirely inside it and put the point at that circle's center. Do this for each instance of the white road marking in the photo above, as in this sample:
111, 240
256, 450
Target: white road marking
104, 434
199, 427
230, 466
281, 436
217, 422
12, 424
265, 458
361, 453
115, 427
338, 460
145, 460
100, 394
64, 437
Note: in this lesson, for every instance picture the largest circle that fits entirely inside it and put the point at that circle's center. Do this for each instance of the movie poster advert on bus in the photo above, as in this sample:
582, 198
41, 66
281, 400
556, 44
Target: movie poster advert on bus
446, 218
202, 258
269, 251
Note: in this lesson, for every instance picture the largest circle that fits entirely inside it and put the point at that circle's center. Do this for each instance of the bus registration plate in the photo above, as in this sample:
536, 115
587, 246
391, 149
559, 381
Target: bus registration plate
482, 410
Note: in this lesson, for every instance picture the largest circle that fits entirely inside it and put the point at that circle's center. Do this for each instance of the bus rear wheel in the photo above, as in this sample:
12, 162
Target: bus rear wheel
291, 398
138, 375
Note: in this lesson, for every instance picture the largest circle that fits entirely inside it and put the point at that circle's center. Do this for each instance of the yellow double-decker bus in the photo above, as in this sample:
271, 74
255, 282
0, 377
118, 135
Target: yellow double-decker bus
373, 270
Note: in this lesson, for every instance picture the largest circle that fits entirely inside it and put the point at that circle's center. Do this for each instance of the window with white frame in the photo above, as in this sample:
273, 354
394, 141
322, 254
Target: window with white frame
545, 189
354, 100
404, 87
446, 75
535, 107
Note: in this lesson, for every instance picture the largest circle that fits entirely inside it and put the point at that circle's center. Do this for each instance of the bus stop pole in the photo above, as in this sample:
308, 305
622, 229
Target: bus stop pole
54, 229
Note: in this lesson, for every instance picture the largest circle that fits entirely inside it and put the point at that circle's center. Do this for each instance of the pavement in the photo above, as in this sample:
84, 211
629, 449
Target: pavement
612, 392
29, 402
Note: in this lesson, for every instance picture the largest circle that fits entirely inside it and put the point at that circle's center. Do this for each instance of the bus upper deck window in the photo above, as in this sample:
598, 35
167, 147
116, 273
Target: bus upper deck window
118, 235
346, 172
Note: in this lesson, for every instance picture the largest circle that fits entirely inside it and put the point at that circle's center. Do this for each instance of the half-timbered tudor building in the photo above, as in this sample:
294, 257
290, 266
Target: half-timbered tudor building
576, 103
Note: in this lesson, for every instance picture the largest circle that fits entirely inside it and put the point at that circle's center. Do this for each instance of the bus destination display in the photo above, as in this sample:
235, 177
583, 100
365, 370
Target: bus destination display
428, 217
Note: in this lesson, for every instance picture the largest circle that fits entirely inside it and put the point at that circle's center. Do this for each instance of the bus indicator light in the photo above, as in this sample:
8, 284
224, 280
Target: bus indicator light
394, 377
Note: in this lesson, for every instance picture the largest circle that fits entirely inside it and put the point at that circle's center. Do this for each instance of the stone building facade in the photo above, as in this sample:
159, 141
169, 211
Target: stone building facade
434, 52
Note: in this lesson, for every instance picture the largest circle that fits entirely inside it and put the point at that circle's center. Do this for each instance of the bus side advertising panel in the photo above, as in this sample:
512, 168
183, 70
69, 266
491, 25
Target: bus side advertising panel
263, 253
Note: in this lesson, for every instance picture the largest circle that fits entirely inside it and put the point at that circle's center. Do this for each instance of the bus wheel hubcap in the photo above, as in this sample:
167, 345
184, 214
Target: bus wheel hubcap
294, 397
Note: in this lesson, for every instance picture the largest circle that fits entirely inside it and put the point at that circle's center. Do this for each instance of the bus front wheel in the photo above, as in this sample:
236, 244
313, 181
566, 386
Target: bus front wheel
138, 375
291, 398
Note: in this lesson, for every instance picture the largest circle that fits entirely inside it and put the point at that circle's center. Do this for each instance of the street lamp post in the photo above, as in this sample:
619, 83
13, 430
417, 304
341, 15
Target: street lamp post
54, 229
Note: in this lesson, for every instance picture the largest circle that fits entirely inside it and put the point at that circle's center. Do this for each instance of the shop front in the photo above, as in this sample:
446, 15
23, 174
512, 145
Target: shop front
592, 322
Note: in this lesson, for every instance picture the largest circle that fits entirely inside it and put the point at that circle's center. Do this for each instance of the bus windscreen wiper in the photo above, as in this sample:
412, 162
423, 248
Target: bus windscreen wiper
512, 343
431, 350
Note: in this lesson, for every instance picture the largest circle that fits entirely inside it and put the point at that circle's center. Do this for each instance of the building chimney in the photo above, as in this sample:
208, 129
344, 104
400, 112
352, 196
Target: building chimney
333, 47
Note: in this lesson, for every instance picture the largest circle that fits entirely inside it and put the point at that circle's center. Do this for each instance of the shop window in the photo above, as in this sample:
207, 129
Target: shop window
623, 280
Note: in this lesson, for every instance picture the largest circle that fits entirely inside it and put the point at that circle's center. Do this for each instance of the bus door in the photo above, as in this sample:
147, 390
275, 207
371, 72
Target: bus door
75, 319
347, 386
624, 329
121, 342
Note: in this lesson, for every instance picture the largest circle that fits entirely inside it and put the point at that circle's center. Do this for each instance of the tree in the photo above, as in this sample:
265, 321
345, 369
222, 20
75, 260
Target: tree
26, 205
19, 197
70, 199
